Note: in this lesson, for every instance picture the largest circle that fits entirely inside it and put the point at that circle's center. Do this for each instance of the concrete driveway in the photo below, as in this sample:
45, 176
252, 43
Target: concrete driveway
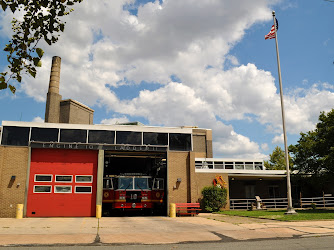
153, 230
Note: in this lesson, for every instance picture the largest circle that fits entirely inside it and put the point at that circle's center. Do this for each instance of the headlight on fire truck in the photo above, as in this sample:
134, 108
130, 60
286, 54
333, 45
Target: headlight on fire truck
144, 198
122, 197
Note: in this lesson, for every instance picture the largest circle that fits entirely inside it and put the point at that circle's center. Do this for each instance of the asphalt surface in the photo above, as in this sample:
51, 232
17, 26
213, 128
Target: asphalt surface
205, 228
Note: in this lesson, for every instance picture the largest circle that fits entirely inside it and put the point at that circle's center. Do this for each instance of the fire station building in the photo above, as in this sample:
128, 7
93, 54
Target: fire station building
57, 168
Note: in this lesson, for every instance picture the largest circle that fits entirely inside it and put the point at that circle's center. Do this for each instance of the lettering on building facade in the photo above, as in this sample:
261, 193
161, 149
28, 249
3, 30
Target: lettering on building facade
57, 145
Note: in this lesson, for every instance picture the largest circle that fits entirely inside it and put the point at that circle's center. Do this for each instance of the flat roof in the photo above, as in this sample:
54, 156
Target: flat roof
116, 127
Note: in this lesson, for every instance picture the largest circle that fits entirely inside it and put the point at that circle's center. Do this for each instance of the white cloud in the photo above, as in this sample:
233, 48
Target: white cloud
264, 146
38, 119
115, 120
105, 47
278, 139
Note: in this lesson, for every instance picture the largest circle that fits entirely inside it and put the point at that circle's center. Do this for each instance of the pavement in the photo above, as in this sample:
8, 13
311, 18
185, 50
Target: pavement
153, 230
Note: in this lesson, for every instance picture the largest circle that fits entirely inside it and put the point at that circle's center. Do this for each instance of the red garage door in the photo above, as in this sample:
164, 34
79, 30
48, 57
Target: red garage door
62, 183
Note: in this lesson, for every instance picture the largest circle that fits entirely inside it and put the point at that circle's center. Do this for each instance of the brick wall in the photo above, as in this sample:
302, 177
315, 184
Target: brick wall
182, 165
206, 179
13, 162
202, 142
74, 112
178, 167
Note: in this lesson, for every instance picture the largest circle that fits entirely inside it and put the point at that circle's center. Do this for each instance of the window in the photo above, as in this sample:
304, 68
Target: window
73, 135
63, 189
64, 178
82, 189
158, 183
42, 189
44, 134
84, 178
16, 136
180, 142
107, 183
155, 139
219, 165
100, 136
198, 164
258, 166
228, 165
43, 177
249, 165
124, 183
142, 183
127, 137
239, 165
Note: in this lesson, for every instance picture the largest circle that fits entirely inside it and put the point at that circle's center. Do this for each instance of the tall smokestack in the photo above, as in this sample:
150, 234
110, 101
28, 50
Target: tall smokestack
52, 110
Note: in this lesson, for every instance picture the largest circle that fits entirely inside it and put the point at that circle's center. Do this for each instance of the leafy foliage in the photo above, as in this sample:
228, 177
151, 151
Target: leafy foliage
277, 160
314, 152
214, 198
41, 21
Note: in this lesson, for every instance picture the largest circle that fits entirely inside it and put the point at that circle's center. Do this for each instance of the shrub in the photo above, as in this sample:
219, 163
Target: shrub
214, 198
313, 206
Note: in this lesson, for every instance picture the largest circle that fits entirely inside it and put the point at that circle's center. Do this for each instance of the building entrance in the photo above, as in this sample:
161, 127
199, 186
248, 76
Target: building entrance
134, 182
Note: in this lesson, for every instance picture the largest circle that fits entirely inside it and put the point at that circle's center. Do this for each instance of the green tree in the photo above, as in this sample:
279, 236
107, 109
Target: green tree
277, 160
41, 21
314, 151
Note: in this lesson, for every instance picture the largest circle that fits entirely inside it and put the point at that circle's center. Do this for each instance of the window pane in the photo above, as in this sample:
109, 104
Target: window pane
100, 136
158, 184
79, 189
249, 165
228, 165
219, 165
44, 134
16, 136
142, 183
63, 178
73, 135
155, 139
258, 166
239, 165
63, 189
83, 178
45, 178
127, 137
42, 189
180, 142
125, 183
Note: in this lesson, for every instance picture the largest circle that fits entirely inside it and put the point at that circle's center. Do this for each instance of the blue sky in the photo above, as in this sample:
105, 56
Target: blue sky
200, 63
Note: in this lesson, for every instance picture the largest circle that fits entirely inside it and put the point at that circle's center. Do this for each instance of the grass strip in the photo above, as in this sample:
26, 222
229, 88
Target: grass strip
310, 214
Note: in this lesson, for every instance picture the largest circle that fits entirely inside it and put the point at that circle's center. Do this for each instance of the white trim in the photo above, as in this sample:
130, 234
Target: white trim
43, 175
64, 175
229, 159
42, 192
83, 181
55, 189
241, 172
75, 190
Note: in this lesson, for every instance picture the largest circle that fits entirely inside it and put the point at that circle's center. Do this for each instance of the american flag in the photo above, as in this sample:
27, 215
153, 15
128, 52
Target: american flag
272, 33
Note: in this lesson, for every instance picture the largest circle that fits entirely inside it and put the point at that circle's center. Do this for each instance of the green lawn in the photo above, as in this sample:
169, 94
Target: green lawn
310, 214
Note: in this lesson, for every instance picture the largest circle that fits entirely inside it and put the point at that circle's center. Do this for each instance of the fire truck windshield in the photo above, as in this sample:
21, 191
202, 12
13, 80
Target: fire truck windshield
132, 183
142, 183
125, 183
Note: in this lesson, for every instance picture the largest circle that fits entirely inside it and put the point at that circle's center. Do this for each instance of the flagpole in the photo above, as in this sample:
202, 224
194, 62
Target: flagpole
290, 209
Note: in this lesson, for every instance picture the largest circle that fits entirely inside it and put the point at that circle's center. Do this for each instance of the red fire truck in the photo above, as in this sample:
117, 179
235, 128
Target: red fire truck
132, 192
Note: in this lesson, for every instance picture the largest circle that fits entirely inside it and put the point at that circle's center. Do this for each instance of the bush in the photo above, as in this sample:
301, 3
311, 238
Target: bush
313, 206
214, 198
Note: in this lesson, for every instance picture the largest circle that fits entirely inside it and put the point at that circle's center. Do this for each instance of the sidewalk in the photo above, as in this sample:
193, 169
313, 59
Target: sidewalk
152, 230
